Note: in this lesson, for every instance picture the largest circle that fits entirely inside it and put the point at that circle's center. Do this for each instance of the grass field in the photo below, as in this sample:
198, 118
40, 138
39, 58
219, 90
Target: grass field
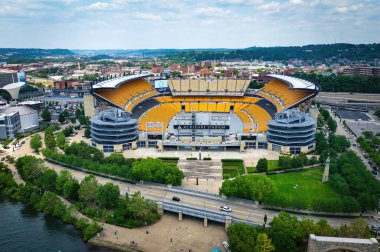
272, 166
303, 190
232, 168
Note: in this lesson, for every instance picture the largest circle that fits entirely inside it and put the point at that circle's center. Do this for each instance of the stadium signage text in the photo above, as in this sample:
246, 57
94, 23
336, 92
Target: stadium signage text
223, 127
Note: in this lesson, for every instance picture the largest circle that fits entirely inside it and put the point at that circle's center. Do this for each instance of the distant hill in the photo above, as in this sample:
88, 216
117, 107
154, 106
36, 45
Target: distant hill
334, 52
18, 55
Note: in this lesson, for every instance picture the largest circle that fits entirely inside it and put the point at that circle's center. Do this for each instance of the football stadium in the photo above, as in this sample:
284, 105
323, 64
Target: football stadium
137, 111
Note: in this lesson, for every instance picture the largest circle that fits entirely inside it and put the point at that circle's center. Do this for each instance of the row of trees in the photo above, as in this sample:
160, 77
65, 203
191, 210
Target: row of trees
82, 155
331, 146
288, 234
370, 143
97, 201
361, 84
326, 119
350, 178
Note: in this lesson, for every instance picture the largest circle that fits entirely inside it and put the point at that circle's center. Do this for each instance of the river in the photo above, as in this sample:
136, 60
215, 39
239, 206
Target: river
24, 229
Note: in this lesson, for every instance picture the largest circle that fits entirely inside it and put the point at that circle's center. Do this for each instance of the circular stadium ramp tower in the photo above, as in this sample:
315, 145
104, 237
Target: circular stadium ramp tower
286, 92
292, 131
113, 130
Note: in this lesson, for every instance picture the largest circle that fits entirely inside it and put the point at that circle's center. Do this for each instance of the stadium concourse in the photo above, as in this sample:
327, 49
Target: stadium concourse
136, 111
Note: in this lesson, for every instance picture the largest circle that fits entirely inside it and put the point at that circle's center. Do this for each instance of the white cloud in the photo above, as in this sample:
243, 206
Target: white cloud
270, 7
212, 11
98, 6
148, 16
296, 2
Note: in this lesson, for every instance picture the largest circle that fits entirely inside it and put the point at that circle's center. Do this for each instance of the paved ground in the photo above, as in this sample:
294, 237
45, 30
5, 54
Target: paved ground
169, 234
352, 115
201, 169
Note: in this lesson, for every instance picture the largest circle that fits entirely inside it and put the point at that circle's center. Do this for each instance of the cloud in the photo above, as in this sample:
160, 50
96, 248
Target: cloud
148, 16
98, 6
208, 22
269, 7
211, 11
296, 2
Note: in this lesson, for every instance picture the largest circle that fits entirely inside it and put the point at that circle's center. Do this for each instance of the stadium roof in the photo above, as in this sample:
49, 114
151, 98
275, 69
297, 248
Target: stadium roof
295, 83
116, 82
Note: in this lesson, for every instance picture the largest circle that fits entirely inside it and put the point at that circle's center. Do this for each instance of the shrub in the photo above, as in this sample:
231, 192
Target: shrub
91, 230
262, 165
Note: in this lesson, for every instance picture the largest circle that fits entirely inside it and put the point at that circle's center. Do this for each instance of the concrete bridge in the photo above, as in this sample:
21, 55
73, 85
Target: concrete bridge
206, 215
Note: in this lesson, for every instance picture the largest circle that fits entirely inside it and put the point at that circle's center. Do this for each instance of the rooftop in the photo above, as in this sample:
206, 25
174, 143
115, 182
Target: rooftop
295, 83
116, 82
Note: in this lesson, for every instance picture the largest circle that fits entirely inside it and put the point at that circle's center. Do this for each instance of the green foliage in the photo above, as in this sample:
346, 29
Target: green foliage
285, 231
61, 140
232, 168
46, 115
61, 118
47, 181
242, 237
156, 170
263, 243
91, 230
6, 178
71, 189
62, 178
351, 177
253, 187
357, 229
84, 151
331, 123
262, 165
371, 145
49, 138
88, 189
36, 143
81, 224
142, 209
68, 131
361, 84
30, 168
108, 195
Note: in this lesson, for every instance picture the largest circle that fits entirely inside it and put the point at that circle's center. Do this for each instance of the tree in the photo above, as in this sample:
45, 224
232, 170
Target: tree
263, 243
48, 180
62, 178
142, 209
49, 138
262, 165
71, 189
61, 118
357, 229
61, 140
87, 132
36, 143
253, 187
46, 115
108, 195
242, 237
30, 168
88, 189
285, 231
331, 123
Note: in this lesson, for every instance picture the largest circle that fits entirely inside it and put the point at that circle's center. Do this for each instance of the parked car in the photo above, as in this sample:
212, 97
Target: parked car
175, 198
225, 209
375, 228
374, 172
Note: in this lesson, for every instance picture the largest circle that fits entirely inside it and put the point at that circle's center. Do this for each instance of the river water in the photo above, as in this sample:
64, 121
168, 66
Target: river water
24, 229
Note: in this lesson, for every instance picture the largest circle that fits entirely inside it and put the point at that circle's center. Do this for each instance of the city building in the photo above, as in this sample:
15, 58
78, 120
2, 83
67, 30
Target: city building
27, 117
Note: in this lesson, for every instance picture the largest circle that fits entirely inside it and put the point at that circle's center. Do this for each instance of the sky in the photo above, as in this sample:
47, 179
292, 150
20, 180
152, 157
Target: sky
138, 24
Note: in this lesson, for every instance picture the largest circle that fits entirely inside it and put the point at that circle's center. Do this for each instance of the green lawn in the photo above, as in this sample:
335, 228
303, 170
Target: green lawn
303, 190
272, 166
232, 169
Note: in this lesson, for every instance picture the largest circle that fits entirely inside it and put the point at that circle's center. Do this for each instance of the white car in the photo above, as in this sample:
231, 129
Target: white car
225, 209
